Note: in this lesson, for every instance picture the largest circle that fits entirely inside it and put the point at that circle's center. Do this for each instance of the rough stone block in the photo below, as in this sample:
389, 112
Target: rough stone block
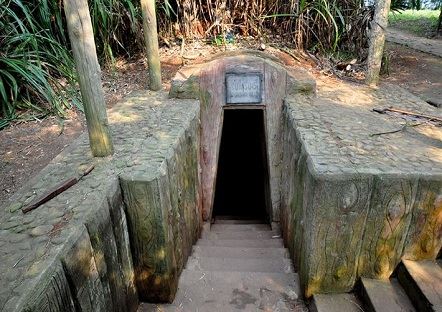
424, 238
148, 209
333, 227
387, 225
185, 84
299, 83
82, 274
100, 229
122, 242
52, 293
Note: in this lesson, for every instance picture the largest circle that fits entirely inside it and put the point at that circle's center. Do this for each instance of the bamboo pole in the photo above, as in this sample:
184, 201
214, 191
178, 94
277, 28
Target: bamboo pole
377, 41
89, 75
151, 41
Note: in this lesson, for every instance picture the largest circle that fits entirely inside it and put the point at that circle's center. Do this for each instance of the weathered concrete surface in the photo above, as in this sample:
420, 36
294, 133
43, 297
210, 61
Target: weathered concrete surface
355, 201
164, 219
335, 303
73, 253
236, 281
351, 201
206, 82
422, 280
385, 295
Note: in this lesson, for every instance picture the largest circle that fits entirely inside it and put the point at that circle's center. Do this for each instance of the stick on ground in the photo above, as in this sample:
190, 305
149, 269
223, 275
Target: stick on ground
57, 190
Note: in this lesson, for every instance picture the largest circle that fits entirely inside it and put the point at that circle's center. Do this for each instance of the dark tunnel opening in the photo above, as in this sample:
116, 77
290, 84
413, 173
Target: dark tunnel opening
242, 187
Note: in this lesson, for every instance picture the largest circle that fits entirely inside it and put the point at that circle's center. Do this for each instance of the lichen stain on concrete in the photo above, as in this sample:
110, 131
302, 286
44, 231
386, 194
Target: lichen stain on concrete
241, 299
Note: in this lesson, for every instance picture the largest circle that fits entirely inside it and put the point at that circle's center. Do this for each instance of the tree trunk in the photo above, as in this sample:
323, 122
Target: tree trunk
89, 75
151, 39
377, 41
439, 24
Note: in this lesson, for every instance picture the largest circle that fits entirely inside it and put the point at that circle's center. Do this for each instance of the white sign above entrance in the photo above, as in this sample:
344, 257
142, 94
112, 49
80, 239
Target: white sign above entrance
244, 88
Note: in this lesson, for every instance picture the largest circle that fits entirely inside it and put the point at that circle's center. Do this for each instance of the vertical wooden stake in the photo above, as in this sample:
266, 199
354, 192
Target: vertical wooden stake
151, 39
377, 41
439, 23
89, 75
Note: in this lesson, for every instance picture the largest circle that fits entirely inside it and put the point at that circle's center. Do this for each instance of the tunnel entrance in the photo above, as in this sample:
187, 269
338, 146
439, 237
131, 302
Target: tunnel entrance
242, 183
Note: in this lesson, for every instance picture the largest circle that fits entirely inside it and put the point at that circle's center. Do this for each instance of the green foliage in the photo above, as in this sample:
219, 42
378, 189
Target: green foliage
117, 27
320, 25
36, 69
422, 22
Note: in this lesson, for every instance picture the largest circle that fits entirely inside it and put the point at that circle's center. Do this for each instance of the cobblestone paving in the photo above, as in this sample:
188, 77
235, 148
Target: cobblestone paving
145, 128
339, 130
431, 46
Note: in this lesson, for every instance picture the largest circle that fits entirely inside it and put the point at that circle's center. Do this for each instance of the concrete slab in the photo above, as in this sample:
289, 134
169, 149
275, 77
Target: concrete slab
250, 243
277, 265
239, 227
234, 291
422, 280
335, 303
243, 235
240, 252
233, 221
385, 296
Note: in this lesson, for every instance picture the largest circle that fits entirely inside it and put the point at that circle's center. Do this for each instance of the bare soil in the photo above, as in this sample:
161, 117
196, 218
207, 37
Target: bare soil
418, 72
25, 148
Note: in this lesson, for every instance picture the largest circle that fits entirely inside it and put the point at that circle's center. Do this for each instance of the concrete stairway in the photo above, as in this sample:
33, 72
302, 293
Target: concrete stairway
240, 265
415, 286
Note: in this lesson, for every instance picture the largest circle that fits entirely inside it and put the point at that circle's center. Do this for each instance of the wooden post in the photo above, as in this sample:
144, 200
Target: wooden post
377, 41
89, 75
151, 39
439, 23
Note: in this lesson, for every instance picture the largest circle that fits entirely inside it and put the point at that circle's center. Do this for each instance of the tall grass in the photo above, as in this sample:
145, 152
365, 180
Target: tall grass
117, 27
35, 66
421, 23
325, 25
37, 71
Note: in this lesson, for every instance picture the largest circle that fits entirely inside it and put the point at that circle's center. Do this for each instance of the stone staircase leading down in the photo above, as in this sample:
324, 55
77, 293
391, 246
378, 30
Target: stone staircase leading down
240, 265
415, 286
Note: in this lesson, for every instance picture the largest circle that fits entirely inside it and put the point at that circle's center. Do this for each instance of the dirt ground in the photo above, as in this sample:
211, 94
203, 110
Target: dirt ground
418, 72
25, 148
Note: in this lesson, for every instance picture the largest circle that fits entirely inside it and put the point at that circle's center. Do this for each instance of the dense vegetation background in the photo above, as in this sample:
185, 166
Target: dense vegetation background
36, 66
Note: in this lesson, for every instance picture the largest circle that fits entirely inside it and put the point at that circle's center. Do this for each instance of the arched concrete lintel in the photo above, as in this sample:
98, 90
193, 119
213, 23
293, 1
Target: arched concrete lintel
206, 82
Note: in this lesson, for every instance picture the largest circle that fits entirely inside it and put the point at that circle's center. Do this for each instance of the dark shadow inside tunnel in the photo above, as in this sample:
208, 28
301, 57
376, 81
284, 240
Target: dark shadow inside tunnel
242, 186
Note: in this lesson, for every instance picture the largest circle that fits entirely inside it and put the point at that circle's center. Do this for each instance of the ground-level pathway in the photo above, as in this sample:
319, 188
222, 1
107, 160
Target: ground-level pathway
432, 46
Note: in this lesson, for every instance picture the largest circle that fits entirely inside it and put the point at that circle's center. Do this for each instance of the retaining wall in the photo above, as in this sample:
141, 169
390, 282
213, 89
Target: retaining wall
354, 204
75, 252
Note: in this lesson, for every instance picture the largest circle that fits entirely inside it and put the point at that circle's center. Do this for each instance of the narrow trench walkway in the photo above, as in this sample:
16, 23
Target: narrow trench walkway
240, 265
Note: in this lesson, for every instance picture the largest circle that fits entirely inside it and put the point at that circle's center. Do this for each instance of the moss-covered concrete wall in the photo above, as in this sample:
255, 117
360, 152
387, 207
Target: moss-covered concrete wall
81, 250
347, 214
164, 217
206, 82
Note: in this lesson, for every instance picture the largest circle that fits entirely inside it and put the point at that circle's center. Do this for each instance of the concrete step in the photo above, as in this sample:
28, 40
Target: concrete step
336, 303
233, 220
206, 291
239, 227
242, 235
422, 281
281, 265
384, 296
244, 243
239, 252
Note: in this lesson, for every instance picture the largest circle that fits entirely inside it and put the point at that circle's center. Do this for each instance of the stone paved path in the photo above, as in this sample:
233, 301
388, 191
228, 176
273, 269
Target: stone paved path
431, 46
